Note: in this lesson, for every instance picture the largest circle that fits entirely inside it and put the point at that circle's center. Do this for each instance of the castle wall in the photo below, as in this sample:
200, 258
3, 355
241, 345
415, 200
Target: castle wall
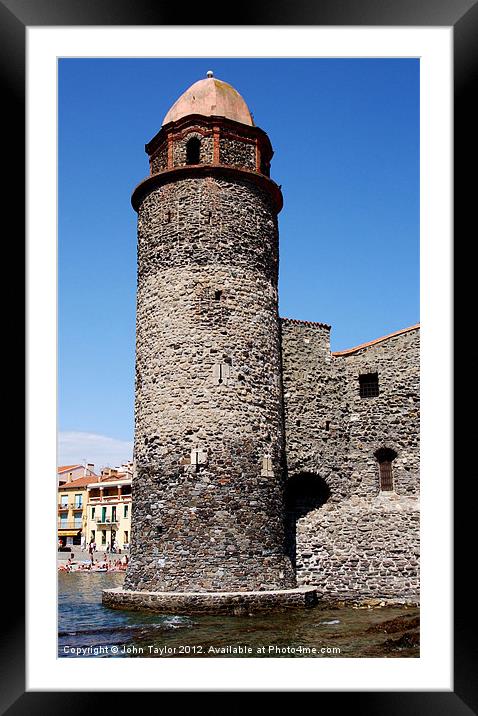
315, 412
364, 548
360, 541
391, 419
207, 380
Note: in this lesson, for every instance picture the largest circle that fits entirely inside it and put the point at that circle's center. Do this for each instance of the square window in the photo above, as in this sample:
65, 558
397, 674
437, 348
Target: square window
368, 385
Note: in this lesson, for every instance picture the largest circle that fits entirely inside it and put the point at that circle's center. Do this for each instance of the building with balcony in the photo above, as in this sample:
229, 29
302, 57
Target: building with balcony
109, 509
72, 511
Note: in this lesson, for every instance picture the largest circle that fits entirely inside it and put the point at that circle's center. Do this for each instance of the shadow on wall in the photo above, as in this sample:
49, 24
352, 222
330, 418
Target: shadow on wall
304, 493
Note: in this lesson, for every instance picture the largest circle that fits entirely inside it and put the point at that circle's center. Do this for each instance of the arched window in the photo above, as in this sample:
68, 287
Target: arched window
385, 458
193, 149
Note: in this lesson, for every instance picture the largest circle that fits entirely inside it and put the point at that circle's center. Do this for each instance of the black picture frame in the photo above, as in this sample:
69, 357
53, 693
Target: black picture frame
15, 17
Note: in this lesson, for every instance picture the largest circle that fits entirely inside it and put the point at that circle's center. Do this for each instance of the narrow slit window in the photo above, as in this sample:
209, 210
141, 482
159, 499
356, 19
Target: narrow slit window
368, 385
222, 373
385, 458
386, 479
193, 150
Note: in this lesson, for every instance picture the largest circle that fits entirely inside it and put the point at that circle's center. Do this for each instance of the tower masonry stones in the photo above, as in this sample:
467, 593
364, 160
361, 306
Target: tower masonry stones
268, 470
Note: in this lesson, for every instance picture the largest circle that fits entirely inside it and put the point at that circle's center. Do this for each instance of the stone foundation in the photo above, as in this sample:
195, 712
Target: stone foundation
232, 603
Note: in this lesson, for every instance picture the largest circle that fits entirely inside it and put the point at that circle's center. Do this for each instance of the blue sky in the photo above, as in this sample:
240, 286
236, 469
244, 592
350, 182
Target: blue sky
346, 138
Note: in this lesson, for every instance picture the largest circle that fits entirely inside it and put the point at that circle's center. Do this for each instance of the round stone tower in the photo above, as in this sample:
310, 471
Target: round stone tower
208, 510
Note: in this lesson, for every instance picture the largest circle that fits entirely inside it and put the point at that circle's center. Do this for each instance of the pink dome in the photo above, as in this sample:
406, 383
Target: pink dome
211, 97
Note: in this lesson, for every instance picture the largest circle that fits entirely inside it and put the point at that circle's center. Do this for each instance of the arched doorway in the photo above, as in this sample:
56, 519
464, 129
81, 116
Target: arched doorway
304, 493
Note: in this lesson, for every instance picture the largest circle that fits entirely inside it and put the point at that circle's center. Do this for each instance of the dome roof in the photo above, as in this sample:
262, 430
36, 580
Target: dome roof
211, 97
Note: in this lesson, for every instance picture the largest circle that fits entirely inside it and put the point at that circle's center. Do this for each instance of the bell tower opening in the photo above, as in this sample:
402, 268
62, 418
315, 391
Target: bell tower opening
193, 151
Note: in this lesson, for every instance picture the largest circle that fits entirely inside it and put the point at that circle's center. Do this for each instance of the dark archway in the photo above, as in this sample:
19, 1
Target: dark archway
304, 492
193, 151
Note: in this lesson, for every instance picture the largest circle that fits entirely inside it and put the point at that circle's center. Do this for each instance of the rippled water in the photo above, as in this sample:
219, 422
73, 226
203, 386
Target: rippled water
88, 629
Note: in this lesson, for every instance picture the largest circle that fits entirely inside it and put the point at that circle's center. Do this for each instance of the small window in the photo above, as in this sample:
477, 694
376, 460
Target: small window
217, 295
125, 513
368, 385
193, 150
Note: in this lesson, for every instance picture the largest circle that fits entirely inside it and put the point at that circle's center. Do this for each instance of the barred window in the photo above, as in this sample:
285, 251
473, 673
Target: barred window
368, 385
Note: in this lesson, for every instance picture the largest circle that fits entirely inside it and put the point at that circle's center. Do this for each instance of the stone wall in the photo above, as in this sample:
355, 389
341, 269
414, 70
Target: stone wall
237, 153
315, 411
350, 538
209, 441
364, 548
390, 420
159, 160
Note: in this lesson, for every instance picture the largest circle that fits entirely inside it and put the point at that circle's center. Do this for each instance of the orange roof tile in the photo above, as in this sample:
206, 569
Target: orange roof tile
349, 351
65, 468
112, 478
79, 482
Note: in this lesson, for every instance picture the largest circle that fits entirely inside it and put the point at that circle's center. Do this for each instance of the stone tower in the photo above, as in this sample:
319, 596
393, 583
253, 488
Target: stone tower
209, 512
208, 491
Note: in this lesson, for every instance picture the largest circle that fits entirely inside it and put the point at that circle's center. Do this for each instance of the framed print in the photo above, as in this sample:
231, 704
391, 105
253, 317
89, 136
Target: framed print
54, 48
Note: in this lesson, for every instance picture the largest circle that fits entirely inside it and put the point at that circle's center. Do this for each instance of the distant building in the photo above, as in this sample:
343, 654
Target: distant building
72, 472
109, 508
72, 505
